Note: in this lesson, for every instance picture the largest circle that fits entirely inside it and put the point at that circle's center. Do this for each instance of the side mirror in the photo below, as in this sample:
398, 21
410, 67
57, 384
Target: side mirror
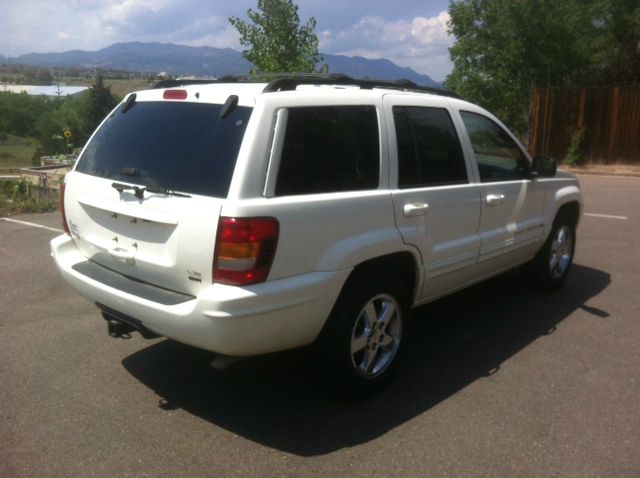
543, 167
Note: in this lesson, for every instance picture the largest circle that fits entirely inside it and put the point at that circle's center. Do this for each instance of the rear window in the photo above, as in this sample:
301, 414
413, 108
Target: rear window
429, 151
179, 146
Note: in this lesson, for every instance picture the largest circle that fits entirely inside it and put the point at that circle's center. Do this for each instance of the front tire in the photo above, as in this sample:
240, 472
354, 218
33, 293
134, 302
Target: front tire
550, 267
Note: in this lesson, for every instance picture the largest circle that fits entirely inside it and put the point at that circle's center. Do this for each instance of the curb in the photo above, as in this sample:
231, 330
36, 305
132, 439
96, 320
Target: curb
586, 172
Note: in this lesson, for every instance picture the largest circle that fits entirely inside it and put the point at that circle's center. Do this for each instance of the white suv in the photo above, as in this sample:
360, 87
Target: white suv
246, 218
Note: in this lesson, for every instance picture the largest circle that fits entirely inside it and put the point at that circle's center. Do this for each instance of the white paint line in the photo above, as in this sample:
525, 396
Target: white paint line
606, 216
32, 224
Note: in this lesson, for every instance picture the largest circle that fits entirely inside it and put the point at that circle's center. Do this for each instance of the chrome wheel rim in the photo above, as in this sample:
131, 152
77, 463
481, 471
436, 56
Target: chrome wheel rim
375, 337
561, 251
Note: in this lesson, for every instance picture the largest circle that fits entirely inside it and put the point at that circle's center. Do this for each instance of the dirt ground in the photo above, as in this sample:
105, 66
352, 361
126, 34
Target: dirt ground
604, 169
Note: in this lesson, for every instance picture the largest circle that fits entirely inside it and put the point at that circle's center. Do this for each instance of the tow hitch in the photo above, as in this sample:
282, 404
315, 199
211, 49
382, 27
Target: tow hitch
118, 329
121, 326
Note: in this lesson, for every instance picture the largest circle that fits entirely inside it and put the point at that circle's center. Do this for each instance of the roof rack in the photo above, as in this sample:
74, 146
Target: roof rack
291, 83
288, 82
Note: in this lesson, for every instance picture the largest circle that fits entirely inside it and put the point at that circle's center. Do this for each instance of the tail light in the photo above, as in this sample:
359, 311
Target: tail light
245, 249
65, 226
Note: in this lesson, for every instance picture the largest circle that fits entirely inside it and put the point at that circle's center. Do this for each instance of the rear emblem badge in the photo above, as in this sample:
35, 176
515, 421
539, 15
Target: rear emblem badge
194, 275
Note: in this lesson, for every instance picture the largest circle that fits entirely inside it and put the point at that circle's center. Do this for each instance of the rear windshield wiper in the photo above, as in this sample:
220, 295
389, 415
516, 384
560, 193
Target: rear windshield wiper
168, 192
139, 191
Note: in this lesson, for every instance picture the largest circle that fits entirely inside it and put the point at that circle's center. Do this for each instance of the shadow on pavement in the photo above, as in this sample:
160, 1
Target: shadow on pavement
279, 401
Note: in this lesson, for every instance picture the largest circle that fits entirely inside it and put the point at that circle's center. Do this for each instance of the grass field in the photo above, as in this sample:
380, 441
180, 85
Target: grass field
16, 152
121, 87
118, 87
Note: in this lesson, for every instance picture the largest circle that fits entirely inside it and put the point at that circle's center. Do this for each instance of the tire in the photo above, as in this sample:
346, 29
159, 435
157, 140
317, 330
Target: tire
365, 334
551, 265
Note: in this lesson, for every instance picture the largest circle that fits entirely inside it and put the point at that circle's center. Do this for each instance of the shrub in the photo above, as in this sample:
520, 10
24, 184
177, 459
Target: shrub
574, 152
35, 159
16, 197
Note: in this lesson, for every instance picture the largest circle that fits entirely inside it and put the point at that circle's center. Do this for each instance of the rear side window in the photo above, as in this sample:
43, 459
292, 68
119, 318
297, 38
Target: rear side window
429, 151
329, 149
180, 146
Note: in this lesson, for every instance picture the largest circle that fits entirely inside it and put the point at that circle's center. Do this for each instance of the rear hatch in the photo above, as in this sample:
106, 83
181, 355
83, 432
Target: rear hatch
145, 197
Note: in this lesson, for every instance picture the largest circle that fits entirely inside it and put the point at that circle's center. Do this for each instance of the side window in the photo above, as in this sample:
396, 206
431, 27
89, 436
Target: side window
499, 157
329, 149
429, 151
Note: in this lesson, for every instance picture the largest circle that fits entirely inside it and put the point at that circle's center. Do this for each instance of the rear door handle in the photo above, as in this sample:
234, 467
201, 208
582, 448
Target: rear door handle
494, 199
415, 209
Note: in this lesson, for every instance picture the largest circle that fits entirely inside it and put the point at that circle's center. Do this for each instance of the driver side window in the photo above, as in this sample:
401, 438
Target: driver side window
499, 158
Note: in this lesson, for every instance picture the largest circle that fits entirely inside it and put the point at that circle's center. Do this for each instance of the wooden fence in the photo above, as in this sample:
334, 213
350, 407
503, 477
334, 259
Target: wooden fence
45, 177
610, 116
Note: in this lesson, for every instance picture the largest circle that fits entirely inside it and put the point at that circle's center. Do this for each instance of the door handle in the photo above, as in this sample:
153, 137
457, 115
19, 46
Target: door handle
494, 199
415, 209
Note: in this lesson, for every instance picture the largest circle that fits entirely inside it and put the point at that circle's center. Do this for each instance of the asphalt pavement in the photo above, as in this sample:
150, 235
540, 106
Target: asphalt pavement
498, 380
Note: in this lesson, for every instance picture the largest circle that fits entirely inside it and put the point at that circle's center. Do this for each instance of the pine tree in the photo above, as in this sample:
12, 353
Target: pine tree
99, 103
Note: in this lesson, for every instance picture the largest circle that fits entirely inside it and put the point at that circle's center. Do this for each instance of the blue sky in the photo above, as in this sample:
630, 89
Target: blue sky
410, 33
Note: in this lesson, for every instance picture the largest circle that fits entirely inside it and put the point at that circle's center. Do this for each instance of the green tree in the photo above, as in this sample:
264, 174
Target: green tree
53, 122
53, 117
47, 119
20, 112
504, 48
276, 42
38, 76
620, 20
98, 103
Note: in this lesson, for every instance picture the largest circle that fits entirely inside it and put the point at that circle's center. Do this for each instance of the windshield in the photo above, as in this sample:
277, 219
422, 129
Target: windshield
177, 146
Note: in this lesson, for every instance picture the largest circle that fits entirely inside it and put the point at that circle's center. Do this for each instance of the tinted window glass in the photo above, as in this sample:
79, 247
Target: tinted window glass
499, 157
429, 151
171, 145
329, 149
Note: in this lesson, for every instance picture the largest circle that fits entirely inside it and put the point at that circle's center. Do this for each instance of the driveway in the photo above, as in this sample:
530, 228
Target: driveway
499, 380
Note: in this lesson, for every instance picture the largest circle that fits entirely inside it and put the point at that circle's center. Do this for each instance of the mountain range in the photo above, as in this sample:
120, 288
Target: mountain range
181, 60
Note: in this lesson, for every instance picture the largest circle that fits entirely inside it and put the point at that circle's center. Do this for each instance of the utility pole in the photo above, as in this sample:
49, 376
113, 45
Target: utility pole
58, 91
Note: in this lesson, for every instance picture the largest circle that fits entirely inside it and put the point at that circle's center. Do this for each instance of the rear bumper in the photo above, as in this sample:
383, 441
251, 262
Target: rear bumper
237, 321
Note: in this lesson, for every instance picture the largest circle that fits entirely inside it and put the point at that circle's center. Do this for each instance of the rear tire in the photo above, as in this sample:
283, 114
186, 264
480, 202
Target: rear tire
551, 265
365, 333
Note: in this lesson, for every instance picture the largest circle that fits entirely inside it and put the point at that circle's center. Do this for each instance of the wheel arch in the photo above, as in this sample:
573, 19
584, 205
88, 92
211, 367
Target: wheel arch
570, 210
565, 200
403, 264
376, 279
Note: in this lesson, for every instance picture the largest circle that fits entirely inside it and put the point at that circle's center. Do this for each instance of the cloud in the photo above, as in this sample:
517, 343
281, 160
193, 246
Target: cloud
94, 24
124, 10
221, 38
410, 33
420, 43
